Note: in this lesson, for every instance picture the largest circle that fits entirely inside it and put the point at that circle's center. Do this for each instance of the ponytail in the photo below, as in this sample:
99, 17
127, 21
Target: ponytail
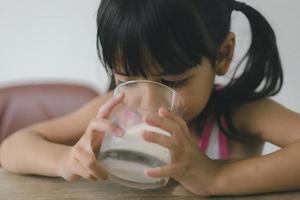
263, 74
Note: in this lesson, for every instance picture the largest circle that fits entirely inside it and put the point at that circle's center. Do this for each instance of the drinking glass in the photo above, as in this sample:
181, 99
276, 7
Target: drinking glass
127, 157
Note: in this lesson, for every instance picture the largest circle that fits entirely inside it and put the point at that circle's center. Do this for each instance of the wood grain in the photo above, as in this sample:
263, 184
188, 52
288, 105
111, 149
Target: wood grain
17, 187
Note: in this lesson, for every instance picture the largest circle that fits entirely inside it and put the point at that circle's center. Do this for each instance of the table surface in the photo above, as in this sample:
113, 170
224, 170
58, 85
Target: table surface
17, 187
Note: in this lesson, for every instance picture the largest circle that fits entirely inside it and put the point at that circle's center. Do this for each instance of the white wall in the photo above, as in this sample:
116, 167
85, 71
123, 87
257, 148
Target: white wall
49, 40
55, 40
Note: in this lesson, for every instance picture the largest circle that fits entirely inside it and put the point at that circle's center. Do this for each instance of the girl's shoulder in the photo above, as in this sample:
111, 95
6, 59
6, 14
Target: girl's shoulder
268, 120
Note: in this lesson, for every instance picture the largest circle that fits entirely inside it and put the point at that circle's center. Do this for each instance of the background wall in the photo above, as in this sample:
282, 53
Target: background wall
49, 40
54, 40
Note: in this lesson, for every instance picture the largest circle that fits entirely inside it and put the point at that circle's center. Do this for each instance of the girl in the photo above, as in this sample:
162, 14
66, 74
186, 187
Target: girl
182, 44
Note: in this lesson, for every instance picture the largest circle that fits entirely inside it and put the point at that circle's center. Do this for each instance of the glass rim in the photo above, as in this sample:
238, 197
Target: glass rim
176, 97
174, 93
146, 81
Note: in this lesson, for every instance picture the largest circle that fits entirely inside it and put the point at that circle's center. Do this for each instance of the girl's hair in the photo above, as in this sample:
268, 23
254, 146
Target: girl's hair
173, 36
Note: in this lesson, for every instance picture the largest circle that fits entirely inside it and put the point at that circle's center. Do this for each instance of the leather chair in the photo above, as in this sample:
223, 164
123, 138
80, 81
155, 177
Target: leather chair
24, 105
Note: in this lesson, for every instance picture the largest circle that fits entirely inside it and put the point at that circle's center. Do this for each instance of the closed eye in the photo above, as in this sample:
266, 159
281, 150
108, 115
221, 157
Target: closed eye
174, 84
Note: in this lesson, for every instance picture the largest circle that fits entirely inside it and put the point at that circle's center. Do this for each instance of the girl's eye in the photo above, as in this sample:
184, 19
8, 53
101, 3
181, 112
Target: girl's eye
174, 84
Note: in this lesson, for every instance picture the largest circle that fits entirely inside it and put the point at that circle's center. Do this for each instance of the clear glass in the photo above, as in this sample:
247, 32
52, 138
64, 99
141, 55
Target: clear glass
127, 157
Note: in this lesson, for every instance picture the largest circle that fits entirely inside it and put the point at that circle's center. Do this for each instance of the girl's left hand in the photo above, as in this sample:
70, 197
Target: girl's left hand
189, 166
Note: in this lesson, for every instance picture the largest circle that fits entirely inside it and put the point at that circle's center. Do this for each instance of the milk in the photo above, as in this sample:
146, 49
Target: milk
128, 156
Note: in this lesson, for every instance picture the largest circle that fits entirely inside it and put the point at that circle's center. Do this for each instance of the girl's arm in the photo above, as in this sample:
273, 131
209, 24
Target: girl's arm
277, 171
38, 149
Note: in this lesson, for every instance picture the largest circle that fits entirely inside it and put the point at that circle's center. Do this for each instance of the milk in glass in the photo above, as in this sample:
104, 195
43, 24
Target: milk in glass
128, 156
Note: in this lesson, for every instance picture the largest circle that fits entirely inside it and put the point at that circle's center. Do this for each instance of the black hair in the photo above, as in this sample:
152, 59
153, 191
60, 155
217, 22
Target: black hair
173, 36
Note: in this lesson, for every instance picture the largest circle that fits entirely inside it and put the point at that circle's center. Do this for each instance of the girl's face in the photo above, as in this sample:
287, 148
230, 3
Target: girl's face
195, 86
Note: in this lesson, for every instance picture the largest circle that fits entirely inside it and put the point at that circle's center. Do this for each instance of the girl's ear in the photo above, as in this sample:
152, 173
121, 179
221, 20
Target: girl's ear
225, 56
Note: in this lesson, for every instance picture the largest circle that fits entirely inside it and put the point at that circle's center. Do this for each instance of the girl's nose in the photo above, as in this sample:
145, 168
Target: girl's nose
151, 100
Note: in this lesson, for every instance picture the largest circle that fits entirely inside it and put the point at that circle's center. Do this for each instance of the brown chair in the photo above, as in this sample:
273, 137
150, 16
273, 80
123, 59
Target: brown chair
23, 105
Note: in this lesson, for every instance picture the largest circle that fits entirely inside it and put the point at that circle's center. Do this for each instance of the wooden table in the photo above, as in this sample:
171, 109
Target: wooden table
16, 187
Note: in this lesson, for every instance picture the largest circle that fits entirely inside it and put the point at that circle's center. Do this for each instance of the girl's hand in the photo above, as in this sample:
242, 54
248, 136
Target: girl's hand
193, 169
81, 159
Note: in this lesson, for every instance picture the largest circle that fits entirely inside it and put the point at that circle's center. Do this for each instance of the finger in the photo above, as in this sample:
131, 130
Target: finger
89, 162
81, 171
77, 171
166, 124
95, 132
164, 171
107, 107
103, 126
162, 140
171, 115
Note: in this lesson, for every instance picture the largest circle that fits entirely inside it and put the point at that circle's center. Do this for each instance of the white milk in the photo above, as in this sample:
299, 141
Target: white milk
127, 157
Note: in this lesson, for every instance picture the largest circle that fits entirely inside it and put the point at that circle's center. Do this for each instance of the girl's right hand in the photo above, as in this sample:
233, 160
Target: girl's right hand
81, 159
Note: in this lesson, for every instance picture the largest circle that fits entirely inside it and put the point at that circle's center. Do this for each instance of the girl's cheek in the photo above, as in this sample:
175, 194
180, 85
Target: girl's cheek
194, 106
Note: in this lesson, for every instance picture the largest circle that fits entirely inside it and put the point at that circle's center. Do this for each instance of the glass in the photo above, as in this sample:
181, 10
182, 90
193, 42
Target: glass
127, 157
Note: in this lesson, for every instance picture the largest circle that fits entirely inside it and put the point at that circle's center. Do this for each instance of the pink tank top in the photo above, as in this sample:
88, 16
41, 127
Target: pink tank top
213, 141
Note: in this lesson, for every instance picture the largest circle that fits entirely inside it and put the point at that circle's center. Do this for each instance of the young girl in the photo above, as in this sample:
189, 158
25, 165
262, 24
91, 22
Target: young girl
182, 44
